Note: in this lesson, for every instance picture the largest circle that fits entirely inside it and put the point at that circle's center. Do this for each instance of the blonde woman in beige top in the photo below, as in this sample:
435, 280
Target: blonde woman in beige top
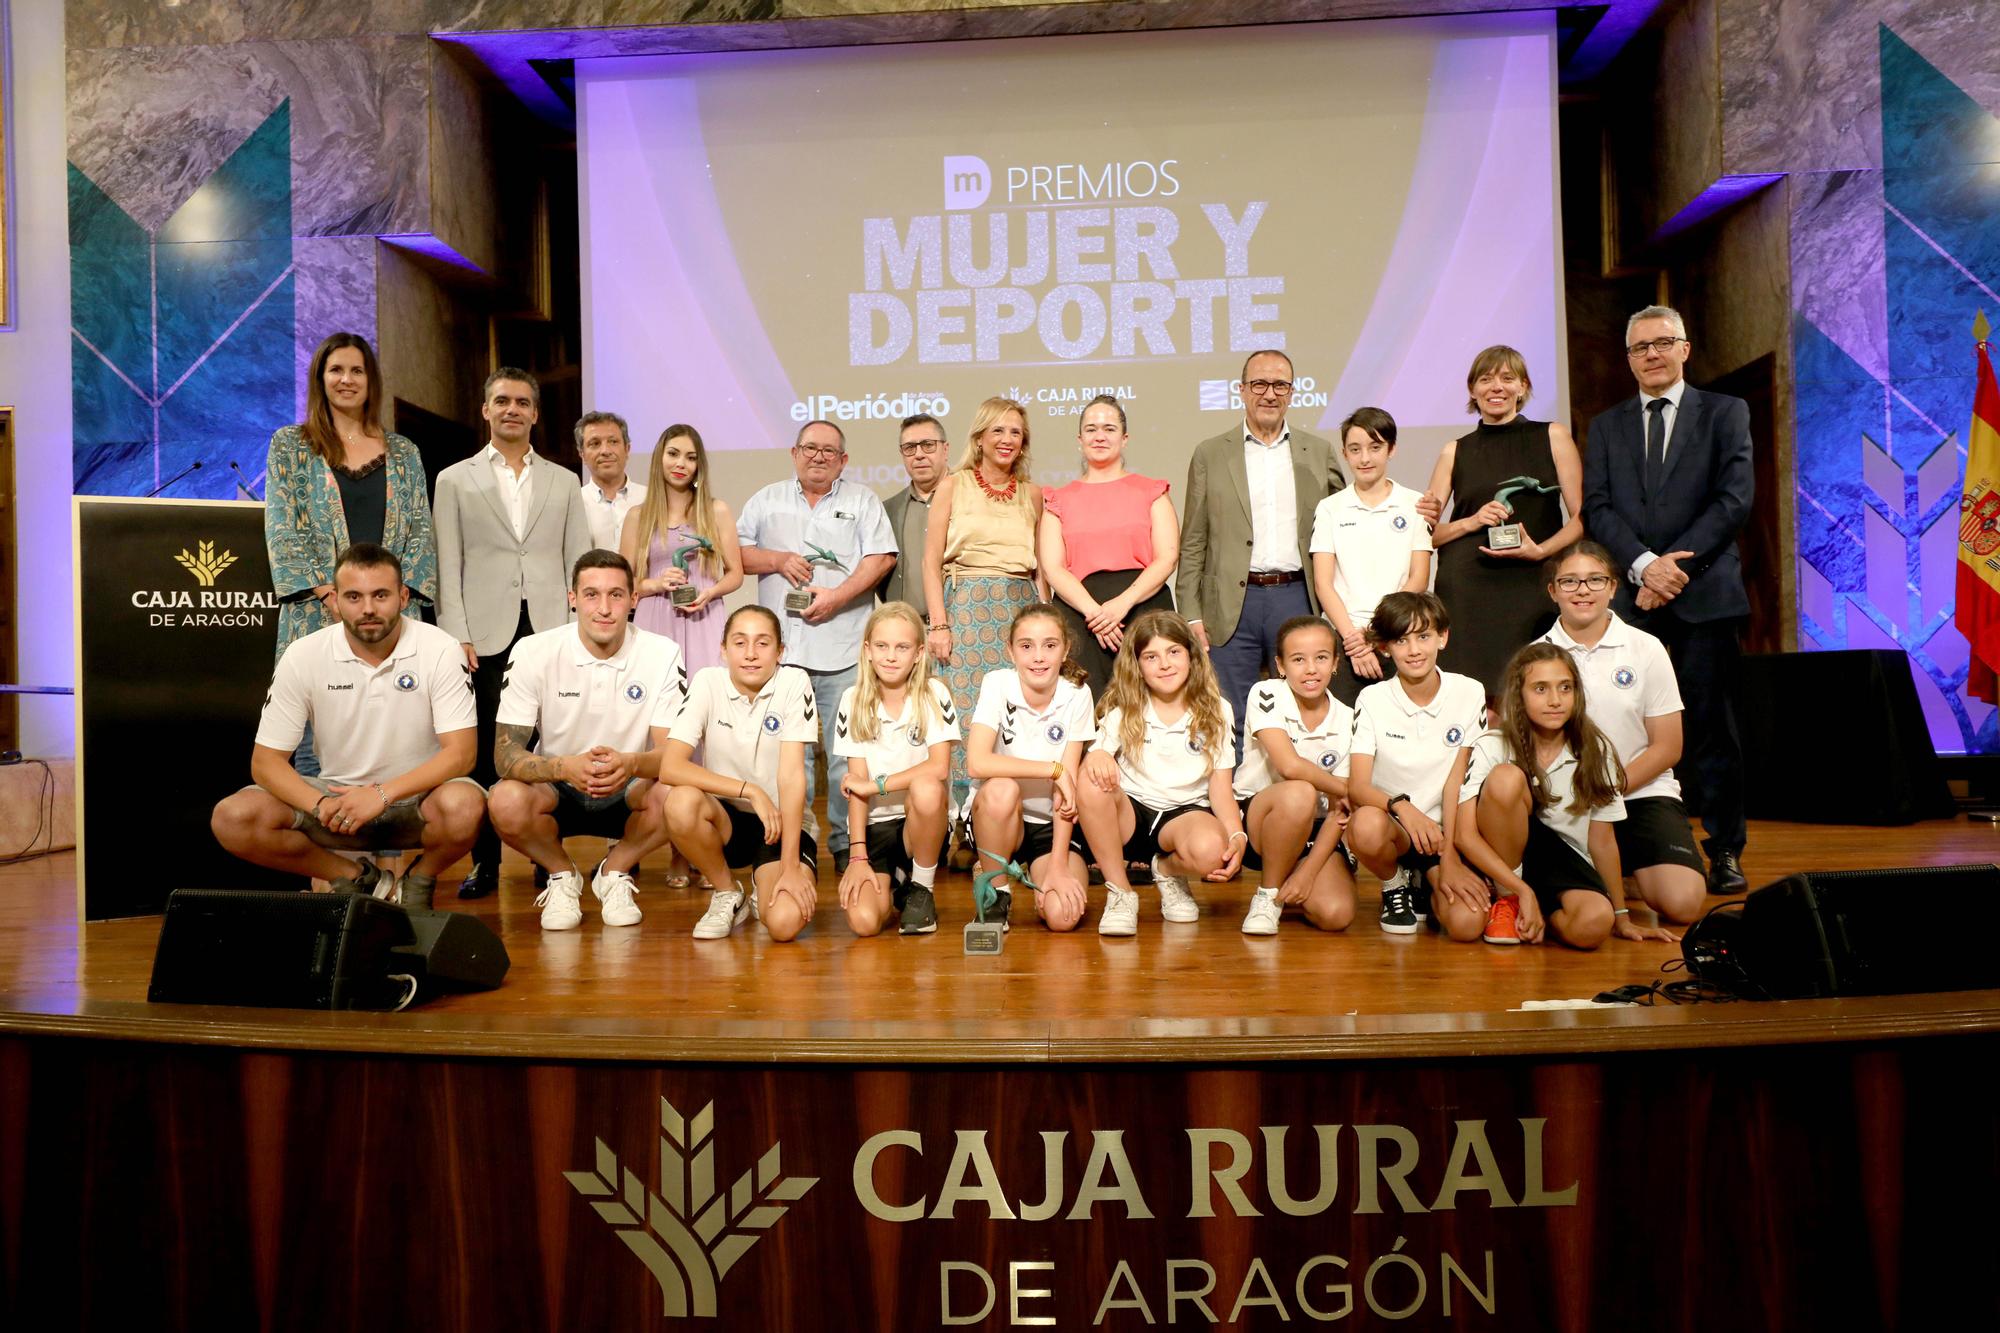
979, 561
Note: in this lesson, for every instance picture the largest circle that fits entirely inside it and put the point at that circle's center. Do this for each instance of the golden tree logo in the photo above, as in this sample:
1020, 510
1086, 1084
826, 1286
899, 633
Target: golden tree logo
205, 564
688, 1235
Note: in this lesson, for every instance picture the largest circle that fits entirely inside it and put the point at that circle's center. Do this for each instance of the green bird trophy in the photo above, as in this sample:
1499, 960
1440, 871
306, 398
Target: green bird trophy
799, 599
685, 593
983, 936
1507, 536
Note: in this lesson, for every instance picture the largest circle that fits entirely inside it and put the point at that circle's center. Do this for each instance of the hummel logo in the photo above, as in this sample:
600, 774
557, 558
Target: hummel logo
690, 1234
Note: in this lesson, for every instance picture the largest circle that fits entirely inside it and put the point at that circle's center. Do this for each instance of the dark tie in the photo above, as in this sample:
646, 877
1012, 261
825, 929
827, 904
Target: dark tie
1656, 442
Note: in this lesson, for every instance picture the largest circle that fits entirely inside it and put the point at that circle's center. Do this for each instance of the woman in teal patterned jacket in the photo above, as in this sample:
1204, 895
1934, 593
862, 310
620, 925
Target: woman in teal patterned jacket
338, 478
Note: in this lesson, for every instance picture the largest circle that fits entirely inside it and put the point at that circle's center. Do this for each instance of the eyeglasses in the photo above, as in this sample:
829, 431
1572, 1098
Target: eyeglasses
1594, 582
910, 447
1282, 388
1660, 345
820, 450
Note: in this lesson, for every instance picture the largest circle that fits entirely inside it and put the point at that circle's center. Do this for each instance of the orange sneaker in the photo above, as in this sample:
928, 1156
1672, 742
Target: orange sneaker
1500, 922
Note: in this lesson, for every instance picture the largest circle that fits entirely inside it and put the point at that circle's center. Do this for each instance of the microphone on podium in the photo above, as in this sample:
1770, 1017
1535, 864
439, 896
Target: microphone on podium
243, 491
191, 467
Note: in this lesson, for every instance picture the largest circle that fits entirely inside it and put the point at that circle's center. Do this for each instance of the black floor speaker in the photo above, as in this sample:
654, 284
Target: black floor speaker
316, 951
1869, 932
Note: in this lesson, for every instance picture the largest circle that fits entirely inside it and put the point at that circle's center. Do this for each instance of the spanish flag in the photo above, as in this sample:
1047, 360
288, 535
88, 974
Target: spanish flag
1978, 613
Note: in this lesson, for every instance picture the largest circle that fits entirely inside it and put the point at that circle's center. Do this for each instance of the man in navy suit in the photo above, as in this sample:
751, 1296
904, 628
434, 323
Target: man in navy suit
1667, 485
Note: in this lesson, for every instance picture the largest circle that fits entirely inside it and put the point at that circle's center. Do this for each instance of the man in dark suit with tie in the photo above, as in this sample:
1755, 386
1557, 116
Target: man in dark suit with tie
1667, 485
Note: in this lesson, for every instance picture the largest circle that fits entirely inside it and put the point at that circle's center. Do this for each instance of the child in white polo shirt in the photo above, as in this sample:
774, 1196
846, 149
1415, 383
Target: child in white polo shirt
1292, 784
1636, 702
1539, 801
1368, 540
895, 727
1024, 751
1157, 782
1412, 734
745, 803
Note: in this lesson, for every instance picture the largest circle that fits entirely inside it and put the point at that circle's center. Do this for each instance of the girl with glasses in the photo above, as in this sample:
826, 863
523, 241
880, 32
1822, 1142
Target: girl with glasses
1636, 702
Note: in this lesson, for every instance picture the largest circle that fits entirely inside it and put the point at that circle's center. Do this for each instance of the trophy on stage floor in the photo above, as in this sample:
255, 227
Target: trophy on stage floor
798, 599
1507, 536
981, 935
696, 544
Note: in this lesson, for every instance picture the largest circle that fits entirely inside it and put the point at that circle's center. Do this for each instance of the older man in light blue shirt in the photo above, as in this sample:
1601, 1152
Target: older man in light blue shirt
831, 539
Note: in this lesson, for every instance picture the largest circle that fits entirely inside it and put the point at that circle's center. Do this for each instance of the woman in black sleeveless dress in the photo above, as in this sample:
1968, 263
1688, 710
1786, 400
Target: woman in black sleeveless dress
1495, 598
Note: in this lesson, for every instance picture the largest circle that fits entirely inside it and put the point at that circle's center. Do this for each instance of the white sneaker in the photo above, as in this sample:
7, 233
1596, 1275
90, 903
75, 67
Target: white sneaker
614, 888
1121, 912
1176, 903
562, 901
726, 911
1262, 918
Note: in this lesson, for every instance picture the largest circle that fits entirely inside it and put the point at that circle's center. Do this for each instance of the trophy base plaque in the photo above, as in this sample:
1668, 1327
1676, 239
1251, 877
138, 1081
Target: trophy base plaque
984, 937
1506, 537
798, 600
684, 595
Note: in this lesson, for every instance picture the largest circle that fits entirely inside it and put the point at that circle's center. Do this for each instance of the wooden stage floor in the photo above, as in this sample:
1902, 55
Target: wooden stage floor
1202, 992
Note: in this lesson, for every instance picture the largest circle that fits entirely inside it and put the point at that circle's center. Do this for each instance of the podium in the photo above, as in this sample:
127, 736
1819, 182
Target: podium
176, 634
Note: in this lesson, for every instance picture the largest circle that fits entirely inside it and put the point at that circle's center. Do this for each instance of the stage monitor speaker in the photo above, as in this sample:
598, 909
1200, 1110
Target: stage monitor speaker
1868, 932
315, 951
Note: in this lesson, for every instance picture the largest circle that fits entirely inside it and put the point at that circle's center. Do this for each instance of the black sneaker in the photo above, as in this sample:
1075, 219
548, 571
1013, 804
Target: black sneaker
1399, 912
1420, 898
919, 912
362, 881
1003, 907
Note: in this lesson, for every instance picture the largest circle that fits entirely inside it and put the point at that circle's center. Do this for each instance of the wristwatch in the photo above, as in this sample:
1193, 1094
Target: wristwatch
1390, 804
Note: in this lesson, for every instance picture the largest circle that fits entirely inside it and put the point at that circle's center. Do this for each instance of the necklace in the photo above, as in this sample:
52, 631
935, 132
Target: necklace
994, 492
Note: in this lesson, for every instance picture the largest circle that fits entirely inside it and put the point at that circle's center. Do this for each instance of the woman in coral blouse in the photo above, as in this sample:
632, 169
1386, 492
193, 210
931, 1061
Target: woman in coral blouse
1108, 543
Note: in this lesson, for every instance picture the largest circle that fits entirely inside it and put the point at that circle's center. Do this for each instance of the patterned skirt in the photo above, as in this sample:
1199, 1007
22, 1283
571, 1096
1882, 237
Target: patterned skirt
978, 610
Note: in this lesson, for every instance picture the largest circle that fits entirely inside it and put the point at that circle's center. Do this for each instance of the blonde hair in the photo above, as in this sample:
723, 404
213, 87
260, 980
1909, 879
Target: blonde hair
868, 686
701, 509
1129, 695
983, 420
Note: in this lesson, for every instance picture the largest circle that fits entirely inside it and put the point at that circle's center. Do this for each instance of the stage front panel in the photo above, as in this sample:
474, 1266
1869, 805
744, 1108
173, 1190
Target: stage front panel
1800, 1187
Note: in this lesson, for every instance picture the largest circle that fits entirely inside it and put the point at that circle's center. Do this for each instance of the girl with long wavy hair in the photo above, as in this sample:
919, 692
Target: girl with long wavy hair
1157, 783
895, 726
1535, 817
979, 566
679, 509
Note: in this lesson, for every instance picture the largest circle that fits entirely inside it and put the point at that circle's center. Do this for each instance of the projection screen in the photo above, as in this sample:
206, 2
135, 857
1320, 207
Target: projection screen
859, 233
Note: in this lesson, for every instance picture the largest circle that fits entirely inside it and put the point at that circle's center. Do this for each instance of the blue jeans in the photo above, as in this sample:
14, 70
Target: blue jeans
828, 686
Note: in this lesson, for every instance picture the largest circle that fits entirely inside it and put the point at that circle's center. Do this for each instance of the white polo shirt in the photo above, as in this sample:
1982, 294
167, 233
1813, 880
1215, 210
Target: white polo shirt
607, 516
1170, 768
739, 738
849, 521
553, 681
370, 723
1490, 750
1414, 747
901, 741
1021, 731
1371, 547
1273, 707
1627, 678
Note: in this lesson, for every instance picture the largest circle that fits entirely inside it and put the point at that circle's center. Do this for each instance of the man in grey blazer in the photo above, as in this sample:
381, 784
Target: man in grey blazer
1251, 493
510, 525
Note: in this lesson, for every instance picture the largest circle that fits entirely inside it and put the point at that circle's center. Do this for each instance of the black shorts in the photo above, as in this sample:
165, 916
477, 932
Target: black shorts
1348, 683
1552, 867
1144, 844
1655, 832
746, 845
886, 854
581, 816
1038, 840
